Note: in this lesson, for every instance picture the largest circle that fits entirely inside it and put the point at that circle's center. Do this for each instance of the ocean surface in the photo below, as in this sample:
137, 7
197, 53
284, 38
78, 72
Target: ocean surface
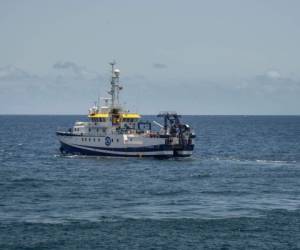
240, 190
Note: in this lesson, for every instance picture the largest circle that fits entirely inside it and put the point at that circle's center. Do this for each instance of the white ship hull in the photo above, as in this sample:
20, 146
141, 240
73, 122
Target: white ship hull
114, 146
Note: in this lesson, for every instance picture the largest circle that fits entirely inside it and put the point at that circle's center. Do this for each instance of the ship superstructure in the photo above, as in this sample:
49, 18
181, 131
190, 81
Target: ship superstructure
114, 131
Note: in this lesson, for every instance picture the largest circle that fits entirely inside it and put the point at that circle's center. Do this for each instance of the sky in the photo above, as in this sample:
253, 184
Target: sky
195, 57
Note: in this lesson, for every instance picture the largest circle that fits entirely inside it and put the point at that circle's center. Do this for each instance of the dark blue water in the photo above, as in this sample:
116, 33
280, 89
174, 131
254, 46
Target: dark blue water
240, 190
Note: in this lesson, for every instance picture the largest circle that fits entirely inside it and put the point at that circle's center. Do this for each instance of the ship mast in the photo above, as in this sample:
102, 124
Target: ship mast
115, 86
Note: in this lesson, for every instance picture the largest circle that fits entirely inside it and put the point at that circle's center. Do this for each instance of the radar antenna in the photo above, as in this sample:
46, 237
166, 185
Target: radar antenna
115, 85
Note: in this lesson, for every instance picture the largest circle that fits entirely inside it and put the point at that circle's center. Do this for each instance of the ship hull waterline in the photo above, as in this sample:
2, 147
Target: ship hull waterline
162, 152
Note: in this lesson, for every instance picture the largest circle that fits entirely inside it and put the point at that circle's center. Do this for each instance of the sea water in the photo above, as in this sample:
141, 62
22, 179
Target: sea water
240, 189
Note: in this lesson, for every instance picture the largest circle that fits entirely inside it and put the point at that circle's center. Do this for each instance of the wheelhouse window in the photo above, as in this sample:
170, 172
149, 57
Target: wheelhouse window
100, 119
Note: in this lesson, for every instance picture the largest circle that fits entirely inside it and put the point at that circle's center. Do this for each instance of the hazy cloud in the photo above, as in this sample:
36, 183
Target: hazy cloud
72, 70
273, 74
159, 66
69, 85
12, 73
63, 72
71, 88
273, 81
67, 65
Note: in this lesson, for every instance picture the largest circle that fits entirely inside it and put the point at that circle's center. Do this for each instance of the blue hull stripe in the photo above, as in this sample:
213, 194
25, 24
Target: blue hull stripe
65, 148
132, 149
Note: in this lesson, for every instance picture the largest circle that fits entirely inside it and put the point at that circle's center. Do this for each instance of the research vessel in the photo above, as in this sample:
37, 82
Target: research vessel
112, 130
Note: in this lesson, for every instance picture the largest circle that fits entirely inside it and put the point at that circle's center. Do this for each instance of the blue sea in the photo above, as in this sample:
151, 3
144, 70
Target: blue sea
240, 189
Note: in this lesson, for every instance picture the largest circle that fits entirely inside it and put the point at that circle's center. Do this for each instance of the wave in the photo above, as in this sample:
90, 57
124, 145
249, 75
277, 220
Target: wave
276, 161
166, 192
273, 214
200, 176
29, 179
245, 160
276, 230
226, 192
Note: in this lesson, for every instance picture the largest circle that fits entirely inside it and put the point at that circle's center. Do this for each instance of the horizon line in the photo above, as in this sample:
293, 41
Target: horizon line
50, 114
